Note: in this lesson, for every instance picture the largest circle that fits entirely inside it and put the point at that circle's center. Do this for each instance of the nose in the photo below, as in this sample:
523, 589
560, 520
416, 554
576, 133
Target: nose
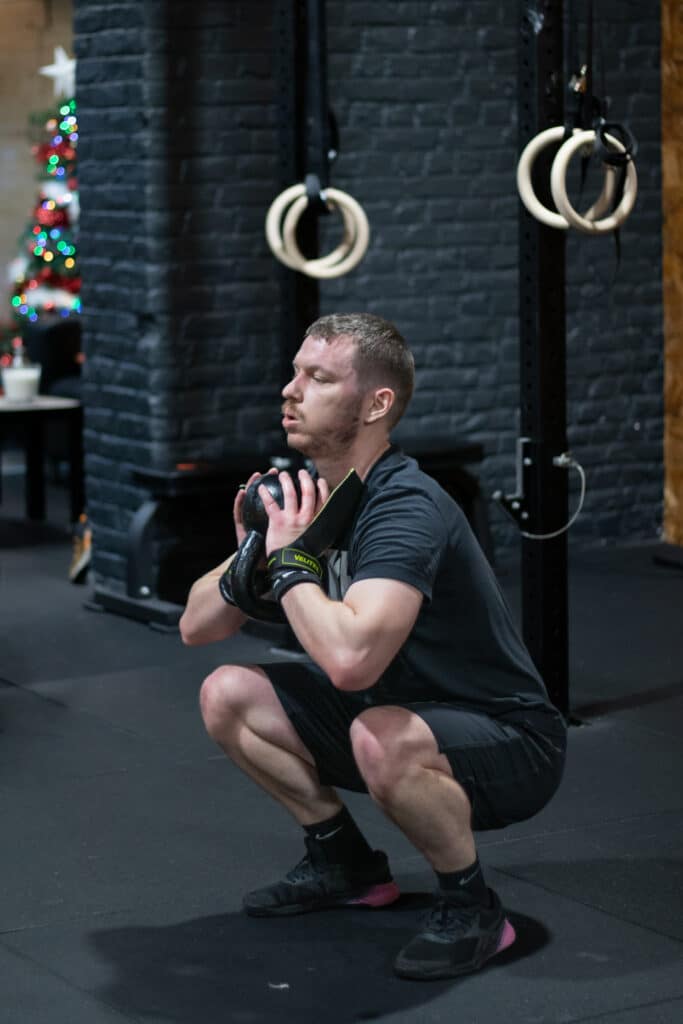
292, 389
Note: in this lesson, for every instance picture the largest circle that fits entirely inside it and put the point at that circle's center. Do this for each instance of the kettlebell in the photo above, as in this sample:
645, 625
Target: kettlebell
254, 515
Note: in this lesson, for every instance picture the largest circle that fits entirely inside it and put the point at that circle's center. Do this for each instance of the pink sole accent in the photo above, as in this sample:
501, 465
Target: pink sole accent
377, 896
507, 937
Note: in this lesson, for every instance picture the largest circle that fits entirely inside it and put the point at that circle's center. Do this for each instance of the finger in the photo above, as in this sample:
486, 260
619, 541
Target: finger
254, 476
308, 495
269, 502
289, 495
240, 496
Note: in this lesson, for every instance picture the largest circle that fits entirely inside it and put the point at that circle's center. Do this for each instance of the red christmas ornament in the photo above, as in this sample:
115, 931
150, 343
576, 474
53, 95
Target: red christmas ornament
51, 218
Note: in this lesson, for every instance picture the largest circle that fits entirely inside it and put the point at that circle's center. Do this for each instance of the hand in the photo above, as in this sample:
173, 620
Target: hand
288, 523
240, 531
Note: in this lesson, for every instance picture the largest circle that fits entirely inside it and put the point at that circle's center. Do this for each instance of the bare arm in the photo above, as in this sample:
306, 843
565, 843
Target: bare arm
353, 640
207, 616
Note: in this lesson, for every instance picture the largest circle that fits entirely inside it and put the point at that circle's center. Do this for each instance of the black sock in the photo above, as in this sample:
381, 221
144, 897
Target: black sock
340, 839
469, 881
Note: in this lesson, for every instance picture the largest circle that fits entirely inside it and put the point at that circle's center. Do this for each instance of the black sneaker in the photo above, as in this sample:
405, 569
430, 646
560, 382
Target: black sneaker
315, 885
456, 937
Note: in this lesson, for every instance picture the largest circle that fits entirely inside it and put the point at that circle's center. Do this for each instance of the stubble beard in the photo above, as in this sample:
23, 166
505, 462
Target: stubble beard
335, 441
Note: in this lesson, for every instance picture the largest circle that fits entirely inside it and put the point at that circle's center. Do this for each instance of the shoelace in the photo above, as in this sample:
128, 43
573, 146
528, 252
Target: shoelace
301, 872
446, 918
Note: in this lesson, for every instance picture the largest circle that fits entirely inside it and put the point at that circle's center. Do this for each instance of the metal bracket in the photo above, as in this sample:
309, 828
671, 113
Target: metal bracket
516, 504
529, 456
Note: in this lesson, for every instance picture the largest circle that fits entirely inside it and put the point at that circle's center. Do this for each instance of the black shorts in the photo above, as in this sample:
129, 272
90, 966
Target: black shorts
509, 767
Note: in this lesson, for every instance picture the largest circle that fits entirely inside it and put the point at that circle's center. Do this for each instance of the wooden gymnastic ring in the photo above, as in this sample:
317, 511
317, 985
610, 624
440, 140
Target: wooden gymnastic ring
292, 195
289, 226
526, 189
321, 268
312, 266
273, 222
559, 190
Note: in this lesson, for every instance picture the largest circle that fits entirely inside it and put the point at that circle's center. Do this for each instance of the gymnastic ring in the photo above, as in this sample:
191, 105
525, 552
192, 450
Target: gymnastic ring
273, 219
289, 237
320, 268
312, 266
558, 188
343, 258
274, 232
529, 197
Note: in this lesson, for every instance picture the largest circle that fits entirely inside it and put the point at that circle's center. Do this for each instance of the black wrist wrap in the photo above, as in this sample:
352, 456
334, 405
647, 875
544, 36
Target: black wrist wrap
225, 587
289, 566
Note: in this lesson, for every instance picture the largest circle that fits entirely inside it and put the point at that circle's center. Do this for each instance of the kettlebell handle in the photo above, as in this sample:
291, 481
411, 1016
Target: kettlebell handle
243, 577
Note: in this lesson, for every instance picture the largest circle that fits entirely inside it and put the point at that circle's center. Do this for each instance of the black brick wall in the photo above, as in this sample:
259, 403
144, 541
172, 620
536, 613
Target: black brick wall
179, 163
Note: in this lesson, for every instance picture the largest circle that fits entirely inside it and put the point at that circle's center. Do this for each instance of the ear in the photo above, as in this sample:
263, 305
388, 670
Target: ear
379, 403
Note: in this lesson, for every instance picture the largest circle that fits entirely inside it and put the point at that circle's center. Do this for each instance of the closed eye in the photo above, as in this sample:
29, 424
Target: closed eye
313, 372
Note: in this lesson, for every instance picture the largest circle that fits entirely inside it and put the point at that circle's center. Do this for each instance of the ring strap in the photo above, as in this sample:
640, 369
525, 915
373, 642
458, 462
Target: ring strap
619, 159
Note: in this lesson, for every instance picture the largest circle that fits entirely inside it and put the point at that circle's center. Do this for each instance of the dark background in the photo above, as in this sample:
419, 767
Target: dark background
178, 163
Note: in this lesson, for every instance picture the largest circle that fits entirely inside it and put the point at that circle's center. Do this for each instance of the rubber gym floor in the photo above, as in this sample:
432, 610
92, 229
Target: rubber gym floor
128, 839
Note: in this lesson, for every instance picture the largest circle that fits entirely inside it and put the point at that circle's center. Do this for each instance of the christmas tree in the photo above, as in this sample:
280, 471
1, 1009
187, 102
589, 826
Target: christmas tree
44, 277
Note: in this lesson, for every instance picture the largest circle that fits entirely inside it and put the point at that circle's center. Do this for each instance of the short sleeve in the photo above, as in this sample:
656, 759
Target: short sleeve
400, 535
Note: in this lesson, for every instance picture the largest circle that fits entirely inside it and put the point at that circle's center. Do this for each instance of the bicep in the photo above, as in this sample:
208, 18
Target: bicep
385, 612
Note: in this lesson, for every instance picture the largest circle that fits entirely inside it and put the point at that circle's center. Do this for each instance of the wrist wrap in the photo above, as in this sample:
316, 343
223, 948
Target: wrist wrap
289, 566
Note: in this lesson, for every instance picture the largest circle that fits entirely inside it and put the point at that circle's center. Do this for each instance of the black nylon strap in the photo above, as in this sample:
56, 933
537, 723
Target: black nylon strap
290, 566
288, 578
294, 558
608, 154
318, 138
587, 111
590, 111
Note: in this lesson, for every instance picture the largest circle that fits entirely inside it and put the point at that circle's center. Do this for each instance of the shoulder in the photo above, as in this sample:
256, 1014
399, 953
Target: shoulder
400, 532
397, 486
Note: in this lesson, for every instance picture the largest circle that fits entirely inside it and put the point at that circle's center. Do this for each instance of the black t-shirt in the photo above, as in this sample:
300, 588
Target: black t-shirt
464, 648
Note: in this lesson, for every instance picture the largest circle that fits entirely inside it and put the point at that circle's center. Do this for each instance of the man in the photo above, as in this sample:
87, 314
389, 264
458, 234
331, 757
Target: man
420, 691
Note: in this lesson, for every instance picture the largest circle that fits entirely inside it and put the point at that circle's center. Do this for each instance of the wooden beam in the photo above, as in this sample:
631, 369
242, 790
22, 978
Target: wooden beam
672, 270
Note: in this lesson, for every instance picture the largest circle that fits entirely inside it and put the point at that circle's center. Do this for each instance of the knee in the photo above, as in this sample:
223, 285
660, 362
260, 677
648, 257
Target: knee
379, 751
221, 700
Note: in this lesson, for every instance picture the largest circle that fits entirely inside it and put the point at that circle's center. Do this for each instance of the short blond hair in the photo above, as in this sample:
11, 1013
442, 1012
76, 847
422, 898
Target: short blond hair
382, 357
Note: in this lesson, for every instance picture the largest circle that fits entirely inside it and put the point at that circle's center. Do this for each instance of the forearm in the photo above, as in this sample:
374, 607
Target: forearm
332, 634
207, 616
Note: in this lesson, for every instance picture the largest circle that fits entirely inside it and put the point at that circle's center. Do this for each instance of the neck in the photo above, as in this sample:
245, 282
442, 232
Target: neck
335, 469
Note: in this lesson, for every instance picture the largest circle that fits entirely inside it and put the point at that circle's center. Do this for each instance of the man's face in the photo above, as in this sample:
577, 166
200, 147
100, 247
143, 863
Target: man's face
323, 402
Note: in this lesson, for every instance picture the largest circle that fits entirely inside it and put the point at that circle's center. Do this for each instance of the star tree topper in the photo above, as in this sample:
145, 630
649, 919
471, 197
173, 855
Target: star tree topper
63, 71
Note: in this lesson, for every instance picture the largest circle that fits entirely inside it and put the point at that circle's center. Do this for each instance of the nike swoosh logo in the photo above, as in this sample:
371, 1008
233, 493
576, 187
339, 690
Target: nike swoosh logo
328, 835
464, 881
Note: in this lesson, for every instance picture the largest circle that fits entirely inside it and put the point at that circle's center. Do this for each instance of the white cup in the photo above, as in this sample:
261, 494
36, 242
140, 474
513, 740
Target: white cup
20, 383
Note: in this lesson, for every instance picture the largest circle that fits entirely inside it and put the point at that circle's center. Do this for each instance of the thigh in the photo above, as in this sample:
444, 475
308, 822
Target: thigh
245, 693
322, 717
507, 774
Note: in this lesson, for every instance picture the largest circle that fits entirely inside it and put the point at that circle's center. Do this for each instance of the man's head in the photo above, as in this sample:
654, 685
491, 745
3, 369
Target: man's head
353, 377
381, 357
